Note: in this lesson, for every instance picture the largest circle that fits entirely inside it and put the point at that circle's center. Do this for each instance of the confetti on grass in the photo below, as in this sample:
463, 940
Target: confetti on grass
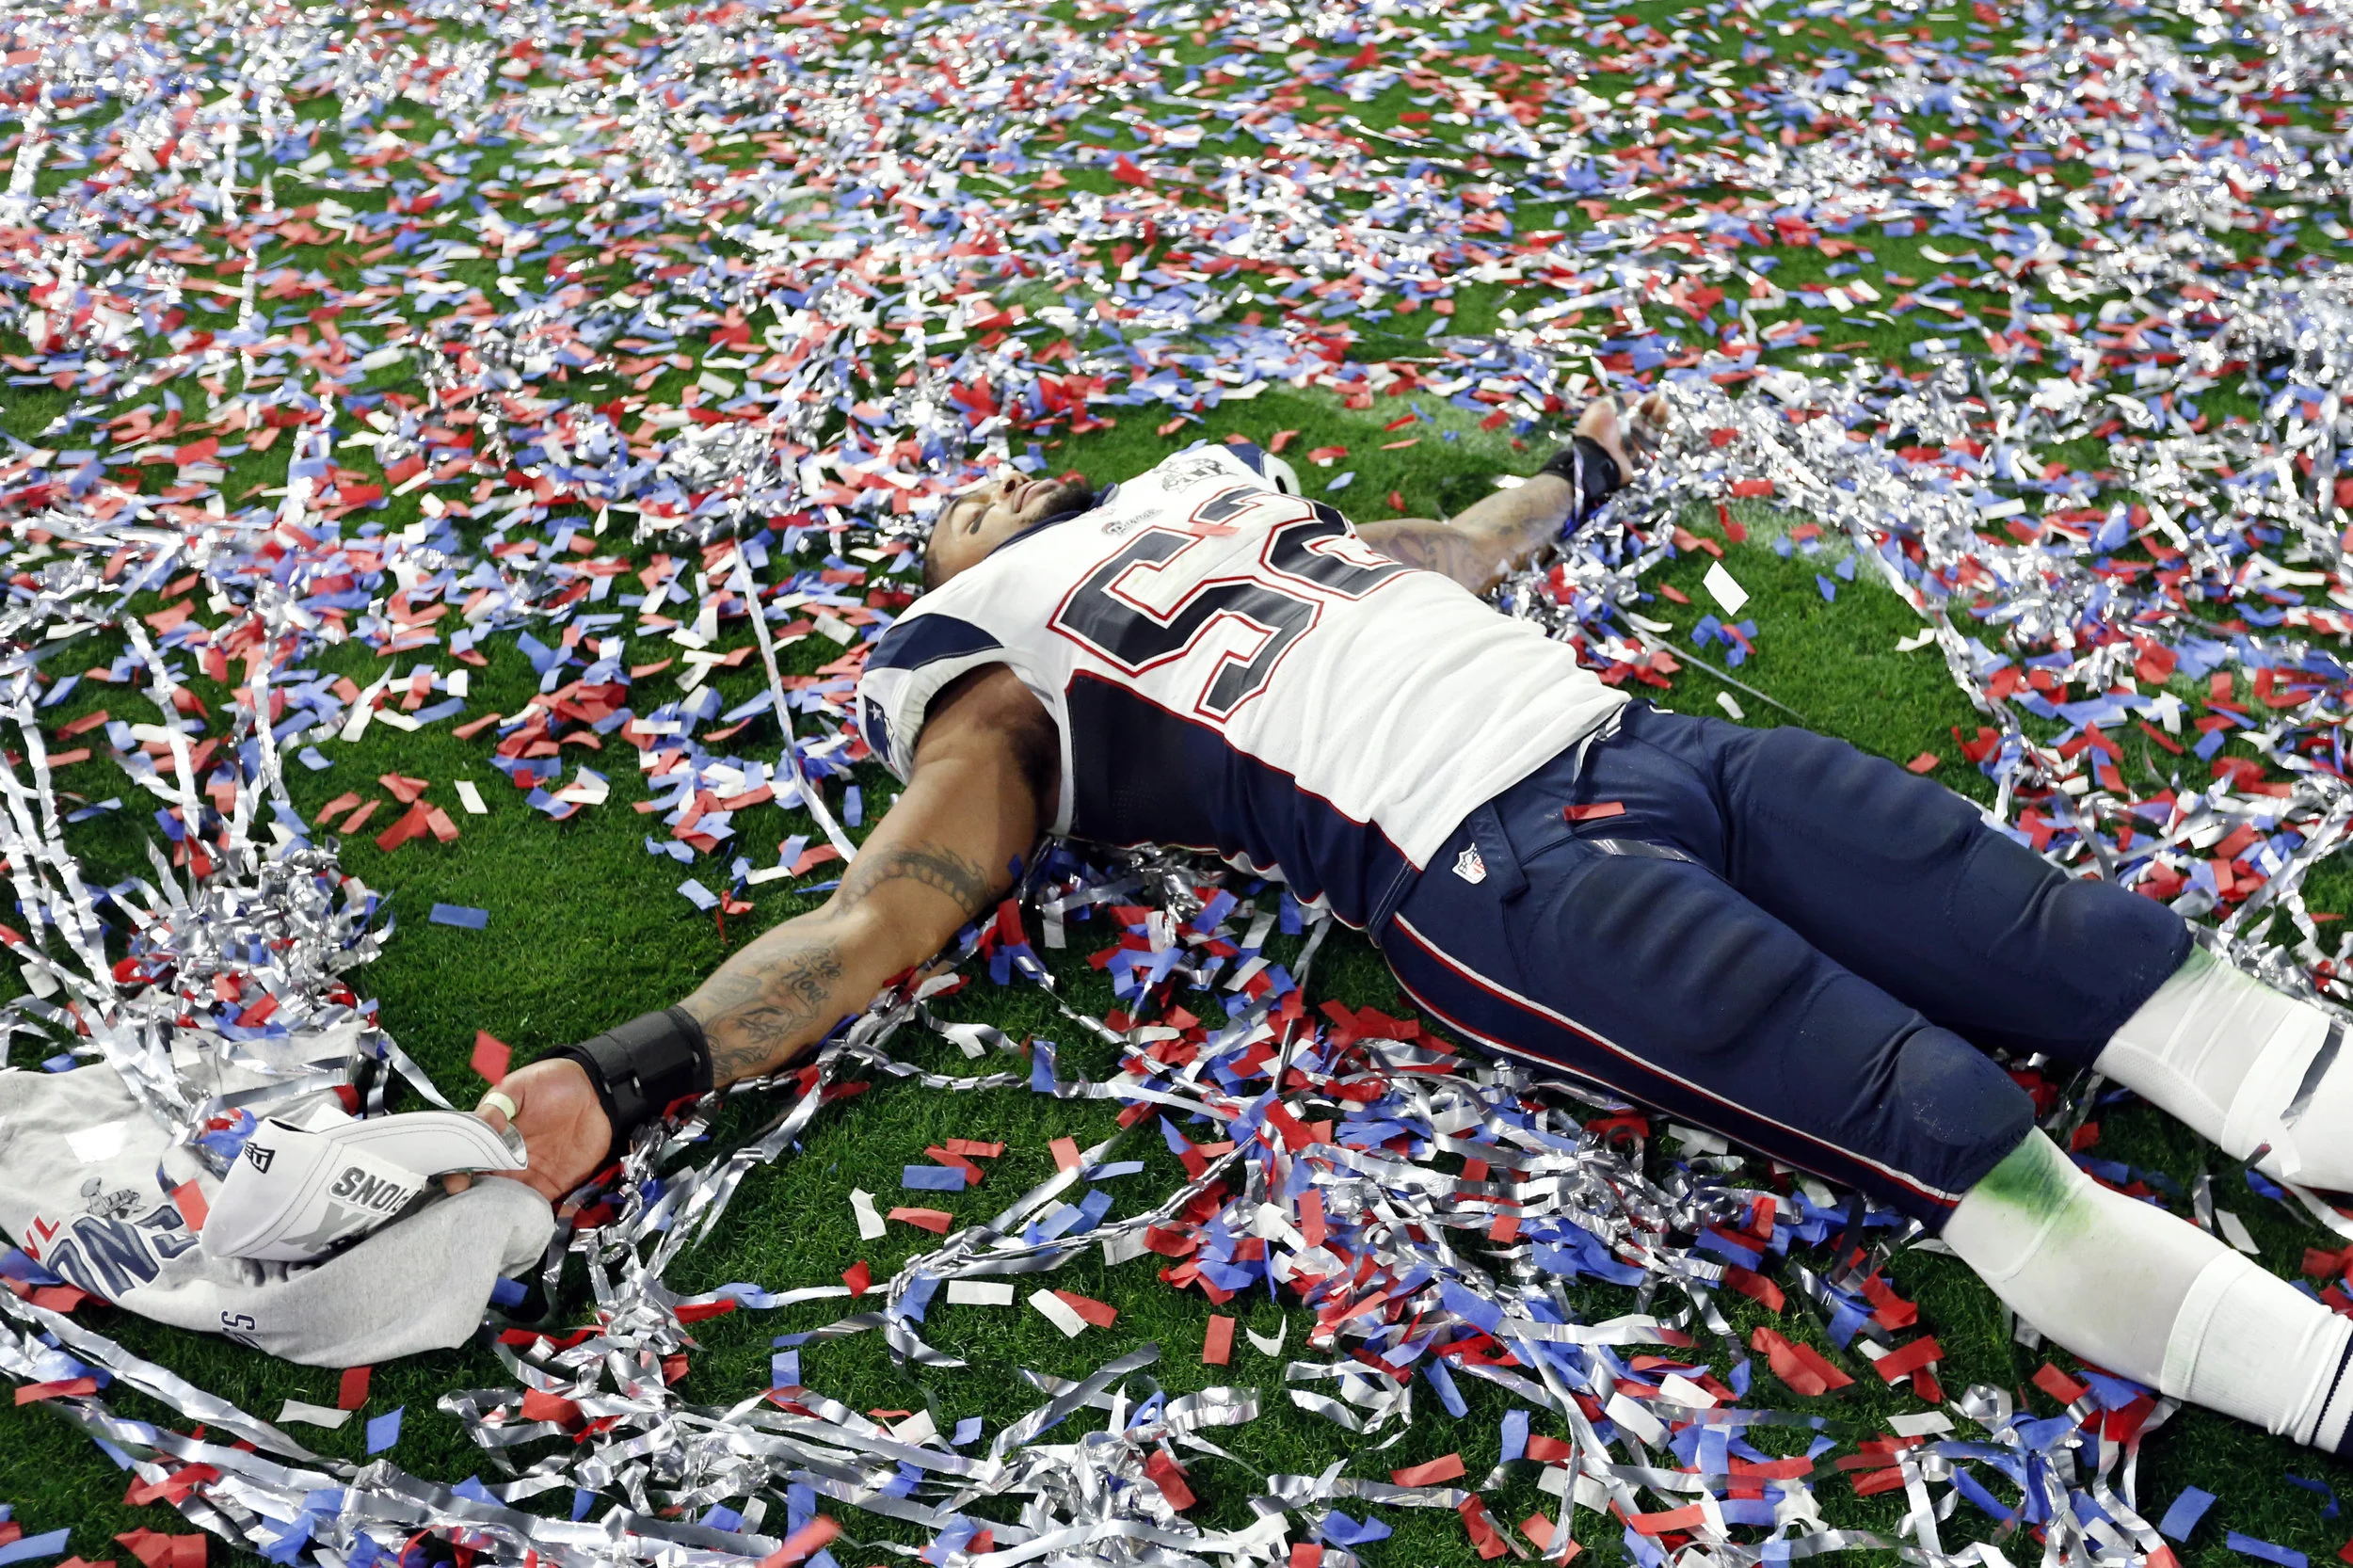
1058, 1312
314, 271
154, 1549
1217, 1344
490, 1057
2264, 1551
314, 1414
33, 1548
384, 1430
460, 916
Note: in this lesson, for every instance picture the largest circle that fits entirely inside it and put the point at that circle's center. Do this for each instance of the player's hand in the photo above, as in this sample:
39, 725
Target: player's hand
1631, 439
566, 1134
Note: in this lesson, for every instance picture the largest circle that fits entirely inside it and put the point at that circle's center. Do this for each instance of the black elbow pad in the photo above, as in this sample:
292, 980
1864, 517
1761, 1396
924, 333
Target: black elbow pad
643, 1067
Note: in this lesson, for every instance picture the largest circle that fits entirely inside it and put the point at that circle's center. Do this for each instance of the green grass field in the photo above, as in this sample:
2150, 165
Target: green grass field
586, 930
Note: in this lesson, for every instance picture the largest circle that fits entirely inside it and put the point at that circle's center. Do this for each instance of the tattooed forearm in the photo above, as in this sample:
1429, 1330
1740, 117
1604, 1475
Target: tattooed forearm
1435, 547
1476, 547
964, 880
782, 993
775, 995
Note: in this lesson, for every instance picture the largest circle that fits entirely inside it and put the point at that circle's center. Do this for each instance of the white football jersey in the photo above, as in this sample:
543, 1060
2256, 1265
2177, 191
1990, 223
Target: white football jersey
1233, 670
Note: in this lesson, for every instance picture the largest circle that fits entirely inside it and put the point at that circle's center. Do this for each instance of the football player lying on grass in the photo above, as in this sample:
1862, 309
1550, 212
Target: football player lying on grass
1764, 932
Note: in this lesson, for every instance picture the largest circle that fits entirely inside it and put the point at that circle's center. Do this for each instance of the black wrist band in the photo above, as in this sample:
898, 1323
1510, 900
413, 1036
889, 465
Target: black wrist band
642, 1068
1591, 471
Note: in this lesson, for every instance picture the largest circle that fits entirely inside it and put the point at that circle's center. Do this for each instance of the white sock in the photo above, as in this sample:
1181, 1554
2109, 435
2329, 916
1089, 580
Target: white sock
2150, 1296
2252, 1345
2243, 1065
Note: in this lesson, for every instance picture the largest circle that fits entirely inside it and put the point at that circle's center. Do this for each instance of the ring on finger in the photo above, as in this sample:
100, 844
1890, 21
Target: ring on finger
496, 1099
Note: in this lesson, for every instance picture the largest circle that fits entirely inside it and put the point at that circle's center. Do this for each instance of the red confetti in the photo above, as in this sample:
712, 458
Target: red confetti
490, 1057
814, 857
1169, 1477
414, 823
1539, 1529
2059, 1385
158, 1550
1100, 1314
1687, 1517
1910, 1359
539, 1405
1448, 1467
1802, 1368
1485, 1539
972, 1172
858, 1277
1217, 1345
1755, 1287
801, 1544
353, 1391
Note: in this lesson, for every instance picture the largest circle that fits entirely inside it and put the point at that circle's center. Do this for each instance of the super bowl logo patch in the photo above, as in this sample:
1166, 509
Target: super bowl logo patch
1178, 476
1469, 867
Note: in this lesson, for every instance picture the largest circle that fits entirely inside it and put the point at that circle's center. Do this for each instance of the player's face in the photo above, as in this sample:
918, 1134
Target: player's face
980, 520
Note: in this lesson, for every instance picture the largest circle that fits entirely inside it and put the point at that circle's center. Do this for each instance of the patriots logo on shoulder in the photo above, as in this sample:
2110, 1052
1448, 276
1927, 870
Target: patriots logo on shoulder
1469, 867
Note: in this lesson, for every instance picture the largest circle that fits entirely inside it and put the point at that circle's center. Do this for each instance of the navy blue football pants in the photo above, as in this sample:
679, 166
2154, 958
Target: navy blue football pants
1769, 933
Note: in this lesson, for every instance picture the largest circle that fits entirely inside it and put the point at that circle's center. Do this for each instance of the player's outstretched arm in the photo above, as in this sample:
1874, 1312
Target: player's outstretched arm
940, 855
982, 792
1503, 530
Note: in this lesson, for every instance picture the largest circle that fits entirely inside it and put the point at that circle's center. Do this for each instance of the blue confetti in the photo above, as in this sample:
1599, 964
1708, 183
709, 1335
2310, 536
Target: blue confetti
32, 1547
2183, 1516
2248, 1546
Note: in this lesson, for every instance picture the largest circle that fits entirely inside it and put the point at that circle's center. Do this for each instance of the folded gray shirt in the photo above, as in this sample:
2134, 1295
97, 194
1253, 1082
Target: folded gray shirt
85, 1183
